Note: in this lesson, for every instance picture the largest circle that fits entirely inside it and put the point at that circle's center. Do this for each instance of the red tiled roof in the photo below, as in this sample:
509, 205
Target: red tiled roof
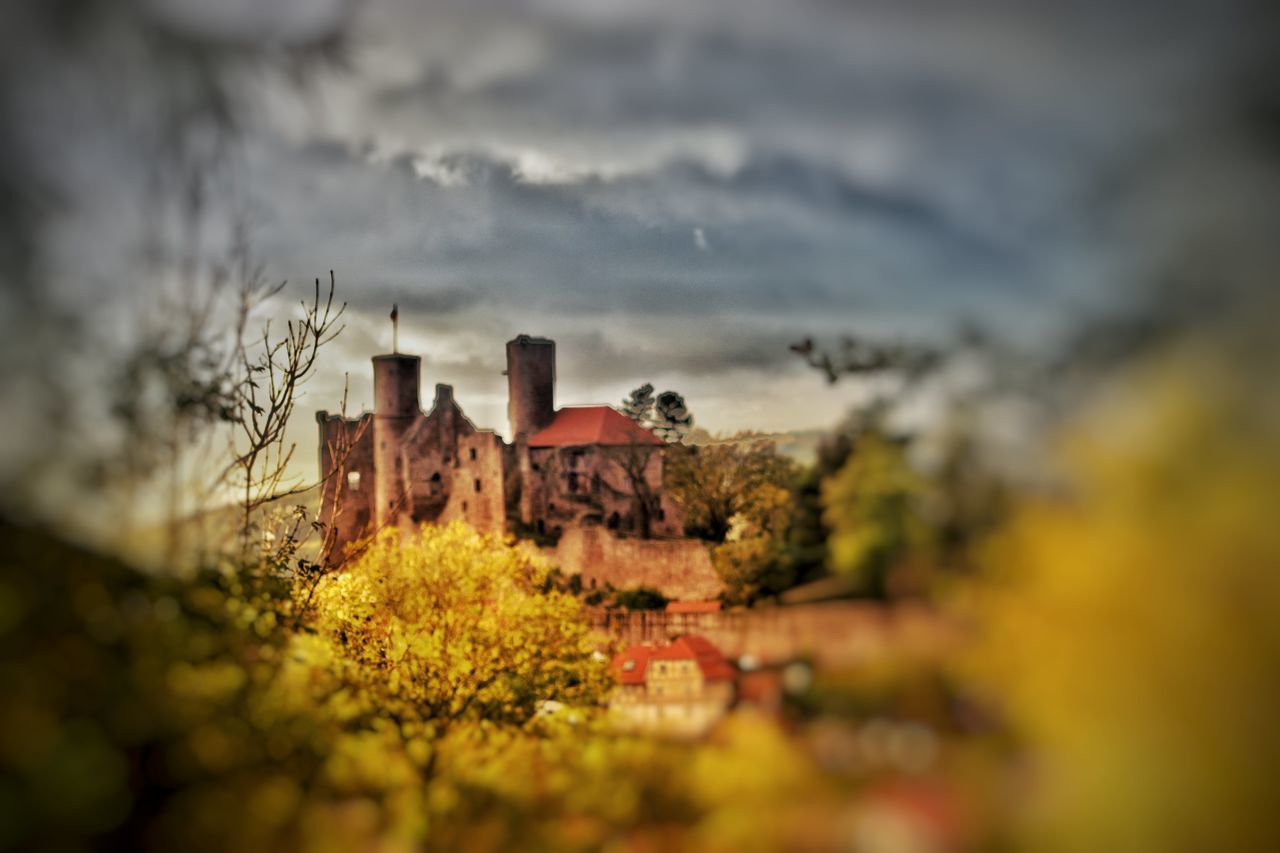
709, 659
693, 607
762, 686
638, 658
576, 425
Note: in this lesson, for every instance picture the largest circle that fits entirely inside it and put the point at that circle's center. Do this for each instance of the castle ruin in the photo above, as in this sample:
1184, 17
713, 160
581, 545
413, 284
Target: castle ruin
586, 478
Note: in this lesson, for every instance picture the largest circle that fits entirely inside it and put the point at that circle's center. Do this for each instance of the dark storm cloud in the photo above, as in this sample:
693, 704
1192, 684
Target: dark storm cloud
777, 236
902, 163
605, 357
690, 186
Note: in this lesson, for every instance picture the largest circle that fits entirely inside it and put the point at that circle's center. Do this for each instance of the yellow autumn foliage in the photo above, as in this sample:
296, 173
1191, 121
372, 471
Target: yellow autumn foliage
1132, 625
452, 624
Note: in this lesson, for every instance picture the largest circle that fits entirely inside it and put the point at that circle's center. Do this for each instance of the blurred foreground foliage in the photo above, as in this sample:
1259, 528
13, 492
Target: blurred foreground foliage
431, 694
1131, 624
1119, 691
874, 511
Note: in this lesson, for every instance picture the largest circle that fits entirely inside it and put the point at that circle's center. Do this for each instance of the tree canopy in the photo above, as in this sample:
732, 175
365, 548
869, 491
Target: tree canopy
667, 414
715, 482
874, 510
639, 405
454, 625
671, 418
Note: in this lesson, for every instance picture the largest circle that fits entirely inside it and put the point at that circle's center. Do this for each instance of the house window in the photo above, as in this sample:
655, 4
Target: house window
435, 483
473, 454
353, 480
464, 506
477, 485
551, 507
573, 482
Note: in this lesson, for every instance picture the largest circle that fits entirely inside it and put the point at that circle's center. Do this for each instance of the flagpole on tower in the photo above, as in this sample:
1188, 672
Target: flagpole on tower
395, 328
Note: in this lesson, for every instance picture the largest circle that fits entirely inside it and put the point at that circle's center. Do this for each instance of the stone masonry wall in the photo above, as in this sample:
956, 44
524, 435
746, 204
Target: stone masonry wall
680, 568
477, 496
832, 633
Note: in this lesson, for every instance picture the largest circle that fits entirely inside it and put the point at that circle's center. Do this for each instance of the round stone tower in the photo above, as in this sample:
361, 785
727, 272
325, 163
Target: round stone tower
395, 410
531, 381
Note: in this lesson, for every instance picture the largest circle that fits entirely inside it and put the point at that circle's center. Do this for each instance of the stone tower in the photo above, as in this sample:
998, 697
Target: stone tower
531, 380
395, 411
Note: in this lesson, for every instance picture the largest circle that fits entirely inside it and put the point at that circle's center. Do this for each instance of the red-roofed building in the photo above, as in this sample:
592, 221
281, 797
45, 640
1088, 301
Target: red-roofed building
693, 656
629, 666
598, 425
693, 608
581, 465
680, 688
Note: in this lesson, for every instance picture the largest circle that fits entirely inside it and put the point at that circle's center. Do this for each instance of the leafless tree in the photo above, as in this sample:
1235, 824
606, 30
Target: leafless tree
633, 459
270, 371
858, 357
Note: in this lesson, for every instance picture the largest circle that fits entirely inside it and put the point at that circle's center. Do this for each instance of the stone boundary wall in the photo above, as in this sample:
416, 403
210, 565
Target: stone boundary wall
832, 634
680, 568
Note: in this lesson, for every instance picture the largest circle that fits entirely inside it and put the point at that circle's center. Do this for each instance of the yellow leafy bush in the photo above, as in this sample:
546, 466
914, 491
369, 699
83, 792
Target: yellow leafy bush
453, 625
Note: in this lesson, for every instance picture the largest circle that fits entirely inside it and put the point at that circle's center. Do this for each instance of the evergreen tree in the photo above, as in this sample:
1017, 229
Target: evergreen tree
672, 420
639, 406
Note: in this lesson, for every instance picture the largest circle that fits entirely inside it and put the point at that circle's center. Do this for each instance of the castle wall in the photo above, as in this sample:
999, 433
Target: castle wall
529, 486
346, 476
477, 496
455, 471
430, 456
576, 485
831, 633
409, 468
680, 568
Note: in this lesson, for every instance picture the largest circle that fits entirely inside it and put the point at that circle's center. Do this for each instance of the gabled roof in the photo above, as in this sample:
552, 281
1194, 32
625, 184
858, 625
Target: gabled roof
699, 649
630, 664
575, 425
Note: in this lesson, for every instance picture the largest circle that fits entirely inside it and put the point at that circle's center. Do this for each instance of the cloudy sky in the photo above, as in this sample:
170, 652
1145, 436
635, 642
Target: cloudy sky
676, 190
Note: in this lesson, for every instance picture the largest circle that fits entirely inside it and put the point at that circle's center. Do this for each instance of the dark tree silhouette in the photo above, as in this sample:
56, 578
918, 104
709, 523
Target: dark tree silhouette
672, 420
